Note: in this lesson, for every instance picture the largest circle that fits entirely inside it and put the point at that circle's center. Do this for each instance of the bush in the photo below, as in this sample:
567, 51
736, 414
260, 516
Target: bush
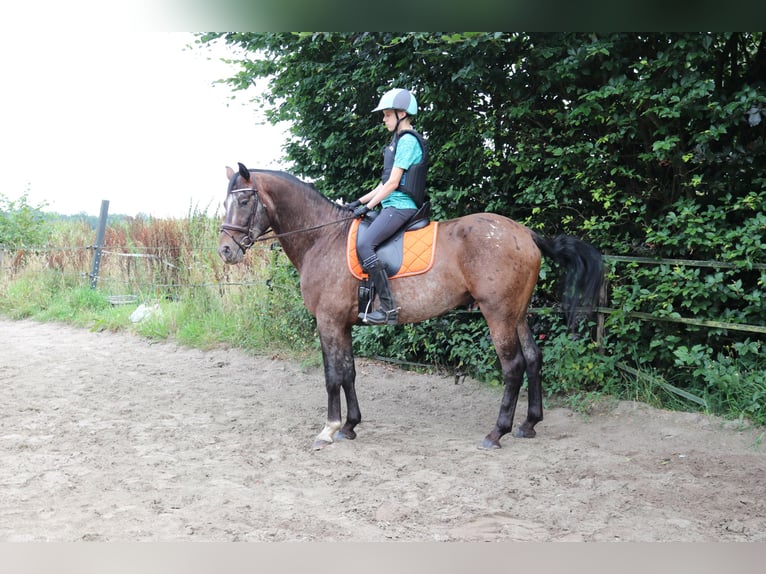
458, 343
733, 381
21, 224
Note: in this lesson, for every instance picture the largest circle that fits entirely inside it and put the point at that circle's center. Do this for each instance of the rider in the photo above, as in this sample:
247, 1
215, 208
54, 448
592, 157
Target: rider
401, 192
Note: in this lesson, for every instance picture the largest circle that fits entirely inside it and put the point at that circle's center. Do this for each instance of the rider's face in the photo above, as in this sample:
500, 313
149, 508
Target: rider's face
390, 118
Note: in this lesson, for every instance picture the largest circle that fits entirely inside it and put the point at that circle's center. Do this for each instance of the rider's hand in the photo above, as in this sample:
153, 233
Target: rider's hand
361, 211
353, 205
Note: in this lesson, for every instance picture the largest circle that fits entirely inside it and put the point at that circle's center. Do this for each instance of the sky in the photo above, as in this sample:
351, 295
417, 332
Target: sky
129, 117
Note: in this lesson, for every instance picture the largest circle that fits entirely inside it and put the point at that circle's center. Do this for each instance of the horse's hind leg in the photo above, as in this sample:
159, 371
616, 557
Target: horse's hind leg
513, 363
533, 360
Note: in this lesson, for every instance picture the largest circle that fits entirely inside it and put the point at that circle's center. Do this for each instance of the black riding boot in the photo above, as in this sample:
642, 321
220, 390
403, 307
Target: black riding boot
386, 314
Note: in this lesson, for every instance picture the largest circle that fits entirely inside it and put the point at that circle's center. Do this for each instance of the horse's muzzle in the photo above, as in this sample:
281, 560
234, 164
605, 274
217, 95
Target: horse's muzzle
226, 248
230, 254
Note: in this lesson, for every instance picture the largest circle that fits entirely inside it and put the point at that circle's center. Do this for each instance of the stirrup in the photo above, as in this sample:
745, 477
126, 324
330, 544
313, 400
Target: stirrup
389, 317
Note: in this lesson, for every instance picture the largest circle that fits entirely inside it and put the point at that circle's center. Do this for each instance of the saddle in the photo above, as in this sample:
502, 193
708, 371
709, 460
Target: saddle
409, 251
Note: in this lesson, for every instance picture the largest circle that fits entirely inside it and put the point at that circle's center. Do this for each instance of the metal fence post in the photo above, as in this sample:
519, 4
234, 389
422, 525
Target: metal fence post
97, 248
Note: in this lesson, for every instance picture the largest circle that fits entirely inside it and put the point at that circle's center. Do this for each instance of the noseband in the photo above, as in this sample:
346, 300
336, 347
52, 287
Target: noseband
247, 230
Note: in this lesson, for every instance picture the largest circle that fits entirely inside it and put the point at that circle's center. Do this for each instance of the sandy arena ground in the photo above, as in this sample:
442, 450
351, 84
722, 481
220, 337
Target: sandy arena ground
110, 437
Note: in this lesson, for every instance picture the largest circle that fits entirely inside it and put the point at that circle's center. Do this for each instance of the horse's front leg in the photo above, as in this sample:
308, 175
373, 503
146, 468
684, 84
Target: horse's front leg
339, 373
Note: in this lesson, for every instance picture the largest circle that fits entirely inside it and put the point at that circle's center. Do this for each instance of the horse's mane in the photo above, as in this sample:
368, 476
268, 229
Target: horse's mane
312, 190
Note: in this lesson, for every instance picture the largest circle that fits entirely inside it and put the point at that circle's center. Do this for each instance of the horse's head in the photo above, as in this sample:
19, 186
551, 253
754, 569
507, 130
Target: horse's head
246, 218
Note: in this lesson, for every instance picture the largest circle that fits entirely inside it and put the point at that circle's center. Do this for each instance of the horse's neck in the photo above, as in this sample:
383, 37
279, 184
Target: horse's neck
297, 210
298, 218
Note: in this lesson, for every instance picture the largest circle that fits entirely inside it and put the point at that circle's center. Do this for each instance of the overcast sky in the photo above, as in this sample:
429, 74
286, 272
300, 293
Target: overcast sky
133, 118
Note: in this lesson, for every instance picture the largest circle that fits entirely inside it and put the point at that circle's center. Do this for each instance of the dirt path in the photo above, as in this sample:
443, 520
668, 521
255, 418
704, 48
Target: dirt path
109, 437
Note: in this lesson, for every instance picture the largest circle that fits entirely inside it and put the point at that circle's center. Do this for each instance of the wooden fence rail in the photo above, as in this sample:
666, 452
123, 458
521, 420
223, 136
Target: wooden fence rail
685, 262
604, 310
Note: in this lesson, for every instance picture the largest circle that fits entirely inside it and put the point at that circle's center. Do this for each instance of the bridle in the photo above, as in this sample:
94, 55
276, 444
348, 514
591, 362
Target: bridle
246, 230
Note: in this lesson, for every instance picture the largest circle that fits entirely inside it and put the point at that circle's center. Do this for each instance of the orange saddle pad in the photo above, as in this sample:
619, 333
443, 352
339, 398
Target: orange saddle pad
418, 257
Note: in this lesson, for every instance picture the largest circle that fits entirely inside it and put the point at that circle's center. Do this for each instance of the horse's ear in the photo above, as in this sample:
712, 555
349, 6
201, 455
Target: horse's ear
244, 172
229, 173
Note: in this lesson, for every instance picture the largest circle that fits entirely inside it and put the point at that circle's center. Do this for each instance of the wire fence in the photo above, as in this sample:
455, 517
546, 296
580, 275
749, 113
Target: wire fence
130, 273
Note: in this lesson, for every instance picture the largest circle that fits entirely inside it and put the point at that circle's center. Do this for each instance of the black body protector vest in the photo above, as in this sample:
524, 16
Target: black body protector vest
415, 183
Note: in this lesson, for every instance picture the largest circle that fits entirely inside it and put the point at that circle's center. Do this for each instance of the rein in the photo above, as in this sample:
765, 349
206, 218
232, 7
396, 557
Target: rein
302, 230
247, 230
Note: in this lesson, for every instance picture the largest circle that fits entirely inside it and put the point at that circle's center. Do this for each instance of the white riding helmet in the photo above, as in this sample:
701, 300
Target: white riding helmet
398, 99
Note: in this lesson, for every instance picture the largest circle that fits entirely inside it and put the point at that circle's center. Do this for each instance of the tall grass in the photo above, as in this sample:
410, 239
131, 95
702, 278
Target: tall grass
172, 268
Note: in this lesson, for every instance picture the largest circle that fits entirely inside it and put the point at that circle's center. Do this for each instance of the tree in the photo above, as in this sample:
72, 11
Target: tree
644, 144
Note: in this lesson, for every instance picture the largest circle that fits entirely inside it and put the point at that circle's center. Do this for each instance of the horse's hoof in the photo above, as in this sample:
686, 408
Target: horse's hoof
524, 433
489, 444
346, 434
319, 444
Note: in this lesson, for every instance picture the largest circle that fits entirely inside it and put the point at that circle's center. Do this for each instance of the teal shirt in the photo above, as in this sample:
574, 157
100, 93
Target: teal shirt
408, 152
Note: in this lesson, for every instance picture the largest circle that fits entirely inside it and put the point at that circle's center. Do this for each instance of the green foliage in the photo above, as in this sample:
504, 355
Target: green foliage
280, 309
732, 380
573, 365
188, 329
21, 224
583, 132
263, 314
643, 144
24, 297
457, 343
74, 304
48, 296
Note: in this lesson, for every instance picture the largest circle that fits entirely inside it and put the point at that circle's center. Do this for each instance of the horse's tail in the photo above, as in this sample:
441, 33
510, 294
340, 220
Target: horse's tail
584, 266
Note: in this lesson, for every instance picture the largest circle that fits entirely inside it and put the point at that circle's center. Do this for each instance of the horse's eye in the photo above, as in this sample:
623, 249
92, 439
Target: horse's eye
244, 200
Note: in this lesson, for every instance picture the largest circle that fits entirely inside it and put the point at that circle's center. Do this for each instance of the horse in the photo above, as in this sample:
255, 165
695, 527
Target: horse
483, 259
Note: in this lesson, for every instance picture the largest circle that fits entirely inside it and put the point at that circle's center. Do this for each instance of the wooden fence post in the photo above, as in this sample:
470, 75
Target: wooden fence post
97, 248
603, 297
